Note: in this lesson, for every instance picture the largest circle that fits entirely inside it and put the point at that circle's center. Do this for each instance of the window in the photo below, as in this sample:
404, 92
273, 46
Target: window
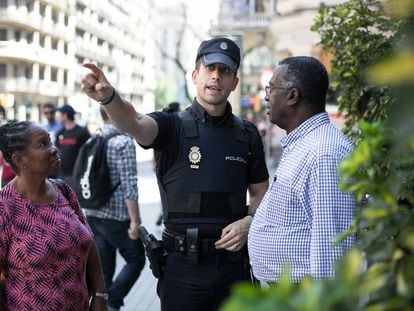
17, 35
29, 37
3, 34
80, 59
42, 72
42, 40
54, 44
42, 9
30, 6
54, 74
80, 7
3, 3
15, 71
80, 32
28, 72
3, 70
55, 16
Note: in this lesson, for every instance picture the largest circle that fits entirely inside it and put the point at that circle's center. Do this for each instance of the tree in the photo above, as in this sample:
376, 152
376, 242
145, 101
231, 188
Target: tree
175, 56
376, 89
359, 34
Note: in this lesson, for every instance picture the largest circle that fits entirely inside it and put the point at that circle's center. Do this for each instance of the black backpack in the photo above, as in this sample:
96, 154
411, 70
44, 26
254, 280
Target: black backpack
91, 178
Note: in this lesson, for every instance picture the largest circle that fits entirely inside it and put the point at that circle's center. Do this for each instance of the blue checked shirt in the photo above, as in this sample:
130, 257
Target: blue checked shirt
122, 163
303, 210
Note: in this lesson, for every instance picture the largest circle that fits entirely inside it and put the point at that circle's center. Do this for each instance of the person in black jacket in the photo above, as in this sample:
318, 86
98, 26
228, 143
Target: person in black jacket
68, 141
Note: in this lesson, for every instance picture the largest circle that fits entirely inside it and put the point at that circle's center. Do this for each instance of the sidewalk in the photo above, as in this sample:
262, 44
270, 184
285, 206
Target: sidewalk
143, 295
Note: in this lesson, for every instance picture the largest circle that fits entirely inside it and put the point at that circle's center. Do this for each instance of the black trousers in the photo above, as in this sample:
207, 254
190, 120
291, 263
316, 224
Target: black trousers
202, 286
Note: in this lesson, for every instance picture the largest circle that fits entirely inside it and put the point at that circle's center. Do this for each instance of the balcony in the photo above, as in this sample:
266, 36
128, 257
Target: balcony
34, 54
31, 20
257, 20
28, 86
286, 7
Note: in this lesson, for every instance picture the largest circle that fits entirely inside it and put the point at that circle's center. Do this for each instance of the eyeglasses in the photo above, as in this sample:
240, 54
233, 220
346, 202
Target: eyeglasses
269, 89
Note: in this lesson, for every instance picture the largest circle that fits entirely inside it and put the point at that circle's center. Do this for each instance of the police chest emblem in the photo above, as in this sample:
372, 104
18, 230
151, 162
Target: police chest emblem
195, 157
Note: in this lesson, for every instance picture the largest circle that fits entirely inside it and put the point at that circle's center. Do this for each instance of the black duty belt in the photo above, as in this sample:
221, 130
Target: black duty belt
176, 242
193, 246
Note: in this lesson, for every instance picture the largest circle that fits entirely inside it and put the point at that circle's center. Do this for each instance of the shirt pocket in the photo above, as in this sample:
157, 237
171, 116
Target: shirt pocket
284, 205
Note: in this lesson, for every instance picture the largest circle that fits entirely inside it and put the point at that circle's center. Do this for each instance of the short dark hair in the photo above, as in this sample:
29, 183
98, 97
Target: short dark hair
172, 107
50, 106
309, 75
68, 111
14, 138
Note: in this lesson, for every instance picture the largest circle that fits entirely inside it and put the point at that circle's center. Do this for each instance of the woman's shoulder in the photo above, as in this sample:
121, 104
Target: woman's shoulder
7, 198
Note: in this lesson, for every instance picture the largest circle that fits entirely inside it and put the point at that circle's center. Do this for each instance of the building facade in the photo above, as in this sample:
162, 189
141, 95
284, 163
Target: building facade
268, 31
248, 23
43, 45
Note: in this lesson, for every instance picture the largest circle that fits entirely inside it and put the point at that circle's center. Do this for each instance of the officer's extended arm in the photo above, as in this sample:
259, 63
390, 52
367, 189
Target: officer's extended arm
122, 113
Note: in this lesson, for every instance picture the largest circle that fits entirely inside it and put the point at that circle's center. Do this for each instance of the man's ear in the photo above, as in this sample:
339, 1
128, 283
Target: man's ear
293, 96
194, 75
235, 82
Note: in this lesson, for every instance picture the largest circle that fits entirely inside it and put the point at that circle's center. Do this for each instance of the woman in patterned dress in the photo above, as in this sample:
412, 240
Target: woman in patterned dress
48, 258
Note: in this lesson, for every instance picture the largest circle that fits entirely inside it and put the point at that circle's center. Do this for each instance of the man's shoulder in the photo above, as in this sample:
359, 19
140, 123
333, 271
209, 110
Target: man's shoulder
328, 139
120, 141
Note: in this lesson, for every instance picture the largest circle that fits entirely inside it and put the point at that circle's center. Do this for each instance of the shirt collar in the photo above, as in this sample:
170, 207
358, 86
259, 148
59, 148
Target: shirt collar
304, 128
201, 114
109, 129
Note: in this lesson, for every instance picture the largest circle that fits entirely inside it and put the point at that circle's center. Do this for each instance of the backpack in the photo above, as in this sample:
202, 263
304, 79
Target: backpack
91, 178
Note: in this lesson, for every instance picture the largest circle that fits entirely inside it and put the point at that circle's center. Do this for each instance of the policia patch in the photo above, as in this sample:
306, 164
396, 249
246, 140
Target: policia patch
195, 157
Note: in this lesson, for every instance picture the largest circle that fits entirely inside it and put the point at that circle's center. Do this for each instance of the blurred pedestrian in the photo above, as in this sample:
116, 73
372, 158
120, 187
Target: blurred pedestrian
52, 125
208, 159
68, 141
47, 253
115, 225
6, 172
303, 211
3, 117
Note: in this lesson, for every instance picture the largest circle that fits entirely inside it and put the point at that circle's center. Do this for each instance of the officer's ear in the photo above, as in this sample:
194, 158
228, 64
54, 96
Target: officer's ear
235, 82
194, 75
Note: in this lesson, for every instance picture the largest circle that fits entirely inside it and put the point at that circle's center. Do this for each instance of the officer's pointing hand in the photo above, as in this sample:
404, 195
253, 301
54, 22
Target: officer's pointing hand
95, 84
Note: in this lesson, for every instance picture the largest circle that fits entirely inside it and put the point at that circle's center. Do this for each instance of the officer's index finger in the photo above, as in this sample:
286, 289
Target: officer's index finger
92, 67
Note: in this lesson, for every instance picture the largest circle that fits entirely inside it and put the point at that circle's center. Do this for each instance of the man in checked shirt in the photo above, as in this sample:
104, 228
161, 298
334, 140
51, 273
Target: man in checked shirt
115, 225
303, 210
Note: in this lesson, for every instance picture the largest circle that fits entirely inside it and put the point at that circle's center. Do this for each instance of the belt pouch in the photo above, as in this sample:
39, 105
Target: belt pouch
192, 245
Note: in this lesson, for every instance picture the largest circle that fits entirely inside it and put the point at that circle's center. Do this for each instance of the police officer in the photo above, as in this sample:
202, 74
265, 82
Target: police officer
208, 159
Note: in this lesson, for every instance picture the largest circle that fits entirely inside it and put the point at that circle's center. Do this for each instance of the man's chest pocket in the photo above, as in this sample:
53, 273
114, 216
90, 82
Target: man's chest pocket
286, 209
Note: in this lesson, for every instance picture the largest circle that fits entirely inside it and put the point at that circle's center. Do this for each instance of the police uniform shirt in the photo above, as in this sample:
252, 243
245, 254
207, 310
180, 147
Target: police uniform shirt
166, 143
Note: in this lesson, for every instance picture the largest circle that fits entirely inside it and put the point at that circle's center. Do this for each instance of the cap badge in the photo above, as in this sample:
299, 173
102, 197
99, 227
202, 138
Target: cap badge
195, 157
223, 45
